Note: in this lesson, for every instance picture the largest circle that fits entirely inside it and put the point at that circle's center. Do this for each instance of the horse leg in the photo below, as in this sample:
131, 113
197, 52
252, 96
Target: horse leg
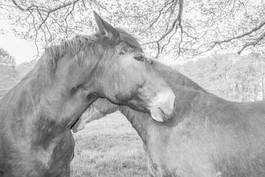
1, 173
154, 169
150, 165
63, 155
65, 172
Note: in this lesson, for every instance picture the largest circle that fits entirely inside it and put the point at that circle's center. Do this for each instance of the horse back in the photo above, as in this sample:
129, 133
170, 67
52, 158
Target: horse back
233, 136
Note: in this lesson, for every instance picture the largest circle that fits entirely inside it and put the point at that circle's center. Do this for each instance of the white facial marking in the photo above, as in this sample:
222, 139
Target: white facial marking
164, 101
157, 115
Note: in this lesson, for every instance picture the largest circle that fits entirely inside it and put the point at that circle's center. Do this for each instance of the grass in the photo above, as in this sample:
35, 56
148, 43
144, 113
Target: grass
109, 147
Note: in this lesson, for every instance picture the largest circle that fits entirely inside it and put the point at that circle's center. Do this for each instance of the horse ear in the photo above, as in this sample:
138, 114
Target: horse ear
106, 29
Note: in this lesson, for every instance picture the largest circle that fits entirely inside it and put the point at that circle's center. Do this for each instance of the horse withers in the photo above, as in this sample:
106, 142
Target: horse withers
207, 136
37, 114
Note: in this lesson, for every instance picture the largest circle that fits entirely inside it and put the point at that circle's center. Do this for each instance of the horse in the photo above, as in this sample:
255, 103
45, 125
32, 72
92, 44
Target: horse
36, 116
207, 136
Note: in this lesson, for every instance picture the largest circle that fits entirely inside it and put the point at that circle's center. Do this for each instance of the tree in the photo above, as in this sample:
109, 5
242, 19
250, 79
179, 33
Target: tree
184, 28
6, 58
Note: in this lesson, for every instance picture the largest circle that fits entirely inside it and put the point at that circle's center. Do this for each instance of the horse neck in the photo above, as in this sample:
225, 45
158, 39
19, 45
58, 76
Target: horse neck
62, 104
26, 92
140, 121
45, 99
173, 77
20, 107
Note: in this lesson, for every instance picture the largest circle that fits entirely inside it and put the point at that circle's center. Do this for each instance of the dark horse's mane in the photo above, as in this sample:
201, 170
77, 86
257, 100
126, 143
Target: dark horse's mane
71, 47
86, 44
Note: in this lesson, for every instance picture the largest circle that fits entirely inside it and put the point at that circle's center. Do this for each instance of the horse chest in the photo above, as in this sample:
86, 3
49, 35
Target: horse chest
174, 153
55, 148
62, 154
37, 160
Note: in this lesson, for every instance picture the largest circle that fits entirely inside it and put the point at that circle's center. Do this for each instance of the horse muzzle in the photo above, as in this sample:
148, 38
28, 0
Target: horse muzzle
162, 105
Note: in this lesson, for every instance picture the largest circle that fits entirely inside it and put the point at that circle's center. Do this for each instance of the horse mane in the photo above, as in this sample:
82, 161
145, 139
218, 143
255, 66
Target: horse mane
69, 47
84, 43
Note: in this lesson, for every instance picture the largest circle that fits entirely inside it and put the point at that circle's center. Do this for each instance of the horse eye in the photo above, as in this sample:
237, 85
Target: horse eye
139, 58
121, 52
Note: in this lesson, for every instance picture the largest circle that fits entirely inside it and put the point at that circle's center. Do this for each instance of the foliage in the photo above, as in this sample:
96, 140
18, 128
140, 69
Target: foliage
231, 76
6, 58
10, 74
180, 27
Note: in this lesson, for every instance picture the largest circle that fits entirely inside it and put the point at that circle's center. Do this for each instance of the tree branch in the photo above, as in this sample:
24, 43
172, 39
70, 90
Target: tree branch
45, 10
253, 43
160, 13
249, 33
176, 23
242, 35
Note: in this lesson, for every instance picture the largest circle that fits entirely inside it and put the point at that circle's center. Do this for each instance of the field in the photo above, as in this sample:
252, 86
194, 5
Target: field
109, 147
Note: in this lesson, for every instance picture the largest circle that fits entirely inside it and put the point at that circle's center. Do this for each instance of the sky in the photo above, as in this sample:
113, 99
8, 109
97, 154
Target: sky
21, 49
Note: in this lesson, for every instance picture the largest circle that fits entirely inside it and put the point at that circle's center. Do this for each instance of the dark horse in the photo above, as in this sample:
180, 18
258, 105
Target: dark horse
206, 137
36, 115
